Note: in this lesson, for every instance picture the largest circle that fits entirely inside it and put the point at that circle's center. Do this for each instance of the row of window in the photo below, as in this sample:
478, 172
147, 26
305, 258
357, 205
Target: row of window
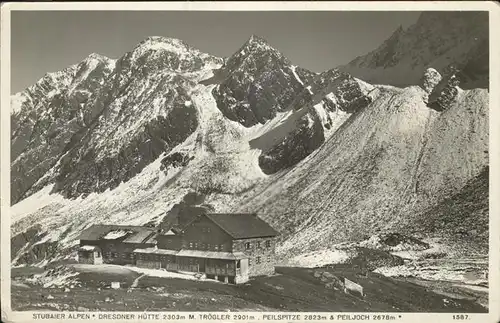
258, 260
153, 257
205, 246
124, 255
248, 245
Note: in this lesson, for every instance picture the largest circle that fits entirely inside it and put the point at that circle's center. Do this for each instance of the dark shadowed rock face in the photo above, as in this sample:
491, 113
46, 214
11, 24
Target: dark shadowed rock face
475, 72
90, 174
297, 145
439, 39
256, 82
331, 90
338, 90
177, 159
387, 54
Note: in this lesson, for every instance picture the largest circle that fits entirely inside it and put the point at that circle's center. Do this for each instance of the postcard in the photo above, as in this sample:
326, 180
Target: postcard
250, 161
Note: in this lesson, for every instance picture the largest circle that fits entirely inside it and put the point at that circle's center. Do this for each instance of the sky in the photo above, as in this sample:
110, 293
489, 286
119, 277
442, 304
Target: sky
49, 41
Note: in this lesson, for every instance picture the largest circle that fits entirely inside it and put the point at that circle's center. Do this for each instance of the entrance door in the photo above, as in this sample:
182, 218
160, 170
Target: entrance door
97, 257
244, 267
202, 262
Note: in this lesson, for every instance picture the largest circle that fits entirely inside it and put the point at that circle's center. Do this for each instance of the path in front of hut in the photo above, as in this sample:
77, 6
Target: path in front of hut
136, 281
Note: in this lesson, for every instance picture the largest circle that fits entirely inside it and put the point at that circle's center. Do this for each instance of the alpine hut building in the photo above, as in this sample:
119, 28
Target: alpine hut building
227, 247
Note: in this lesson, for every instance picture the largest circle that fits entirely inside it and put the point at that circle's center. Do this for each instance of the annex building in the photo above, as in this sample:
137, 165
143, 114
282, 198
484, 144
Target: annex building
227, 247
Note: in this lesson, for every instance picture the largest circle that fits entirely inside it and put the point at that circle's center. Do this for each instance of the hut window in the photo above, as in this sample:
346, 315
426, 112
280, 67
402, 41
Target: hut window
169, 241
248, 245
216, 247
257, 260
114, 255
268, 243
238, 264
131, 256
208, 229
196, 245
98, 254
209, 246
191, 245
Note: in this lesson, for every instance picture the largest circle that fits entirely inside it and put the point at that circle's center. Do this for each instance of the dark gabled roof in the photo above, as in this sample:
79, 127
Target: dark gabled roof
242, 226
138, 234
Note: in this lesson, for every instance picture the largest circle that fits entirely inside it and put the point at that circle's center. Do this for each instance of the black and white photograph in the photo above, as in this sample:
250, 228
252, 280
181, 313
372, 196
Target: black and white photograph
240, 161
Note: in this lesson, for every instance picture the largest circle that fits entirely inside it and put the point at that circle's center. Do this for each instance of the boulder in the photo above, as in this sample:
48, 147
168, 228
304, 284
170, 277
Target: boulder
445, 94
430, 79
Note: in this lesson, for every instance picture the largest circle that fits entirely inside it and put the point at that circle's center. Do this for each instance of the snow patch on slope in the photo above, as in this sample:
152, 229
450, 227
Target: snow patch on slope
16, 102
320, 258
293, 68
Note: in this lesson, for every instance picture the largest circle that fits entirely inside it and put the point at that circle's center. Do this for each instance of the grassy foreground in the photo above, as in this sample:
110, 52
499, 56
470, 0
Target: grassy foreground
291, 289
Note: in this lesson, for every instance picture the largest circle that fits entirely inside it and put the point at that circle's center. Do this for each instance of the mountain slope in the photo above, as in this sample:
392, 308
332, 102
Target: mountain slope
383, 167
50, 117
442, 40
323, 157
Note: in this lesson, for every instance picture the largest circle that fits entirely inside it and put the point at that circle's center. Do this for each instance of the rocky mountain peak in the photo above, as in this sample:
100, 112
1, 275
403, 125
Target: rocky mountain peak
438, 40
256, 39
257, 46
256, 82
164, 54
159, 40
159, 44
98, 57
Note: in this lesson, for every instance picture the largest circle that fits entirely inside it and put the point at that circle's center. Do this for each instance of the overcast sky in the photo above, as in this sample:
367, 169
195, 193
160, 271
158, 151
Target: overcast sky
48, 41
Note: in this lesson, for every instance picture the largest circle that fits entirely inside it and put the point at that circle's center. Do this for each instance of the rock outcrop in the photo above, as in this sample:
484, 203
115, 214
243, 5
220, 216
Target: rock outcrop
324, 104
50, 119
444, 95
258, 82
430, 79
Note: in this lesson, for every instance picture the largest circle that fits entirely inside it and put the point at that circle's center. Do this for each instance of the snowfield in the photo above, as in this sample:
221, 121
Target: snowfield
320, 258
